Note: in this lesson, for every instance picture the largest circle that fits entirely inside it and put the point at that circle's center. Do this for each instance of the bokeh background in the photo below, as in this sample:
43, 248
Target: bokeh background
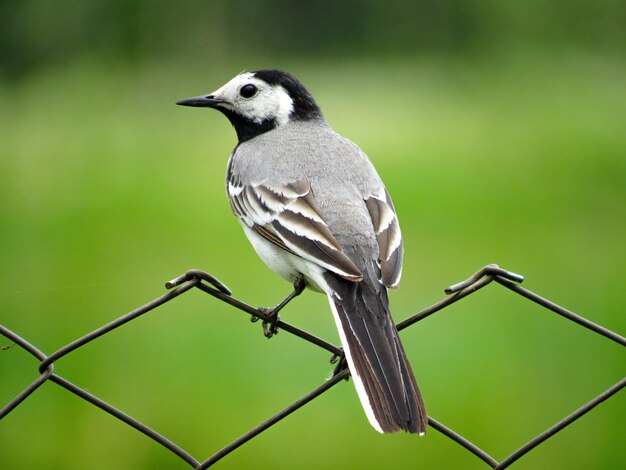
498, 128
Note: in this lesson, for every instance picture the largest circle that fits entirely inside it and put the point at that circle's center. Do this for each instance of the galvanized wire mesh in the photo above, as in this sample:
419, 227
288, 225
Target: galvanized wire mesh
210, 285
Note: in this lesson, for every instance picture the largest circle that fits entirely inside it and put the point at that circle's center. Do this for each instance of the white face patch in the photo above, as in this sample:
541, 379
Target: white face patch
270, 102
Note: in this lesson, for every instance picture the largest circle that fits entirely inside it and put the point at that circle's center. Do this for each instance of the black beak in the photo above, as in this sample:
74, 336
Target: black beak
208, 101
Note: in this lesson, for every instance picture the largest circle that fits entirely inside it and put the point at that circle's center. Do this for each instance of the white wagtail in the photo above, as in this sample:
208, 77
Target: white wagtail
318, 214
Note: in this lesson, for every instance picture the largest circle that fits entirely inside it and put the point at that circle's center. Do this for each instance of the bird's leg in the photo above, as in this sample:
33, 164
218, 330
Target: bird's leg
269, 325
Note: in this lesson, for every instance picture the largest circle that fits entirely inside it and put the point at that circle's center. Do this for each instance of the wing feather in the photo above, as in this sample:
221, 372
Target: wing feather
287, 216
388, 236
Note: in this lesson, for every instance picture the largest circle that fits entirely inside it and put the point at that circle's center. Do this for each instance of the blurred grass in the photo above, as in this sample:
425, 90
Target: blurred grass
109, 190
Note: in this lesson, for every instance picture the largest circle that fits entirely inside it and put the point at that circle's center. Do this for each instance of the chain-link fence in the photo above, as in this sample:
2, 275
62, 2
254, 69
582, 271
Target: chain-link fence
213, 287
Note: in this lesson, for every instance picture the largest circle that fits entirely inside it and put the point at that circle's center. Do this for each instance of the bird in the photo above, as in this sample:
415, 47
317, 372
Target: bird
318, 214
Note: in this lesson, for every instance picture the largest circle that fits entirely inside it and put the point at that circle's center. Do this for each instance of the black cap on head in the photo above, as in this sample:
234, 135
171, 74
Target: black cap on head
305, 107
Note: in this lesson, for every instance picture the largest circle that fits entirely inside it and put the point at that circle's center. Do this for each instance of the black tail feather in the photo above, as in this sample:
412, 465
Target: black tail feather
376, 356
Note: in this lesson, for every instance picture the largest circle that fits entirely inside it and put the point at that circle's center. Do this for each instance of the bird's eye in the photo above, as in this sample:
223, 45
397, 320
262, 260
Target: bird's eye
248, 91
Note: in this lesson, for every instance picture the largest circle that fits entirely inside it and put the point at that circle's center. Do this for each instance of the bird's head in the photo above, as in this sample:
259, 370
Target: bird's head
257, 102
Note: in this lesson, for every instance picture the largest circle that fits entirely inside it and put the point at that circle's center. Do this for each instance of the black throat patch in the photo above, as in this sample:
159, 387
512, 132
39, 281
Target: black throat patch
245, 128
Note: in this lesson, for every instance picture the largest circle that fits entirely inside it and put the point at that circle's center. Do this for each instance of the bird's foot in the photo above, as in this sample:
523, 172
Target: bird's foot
342, 363
270, 323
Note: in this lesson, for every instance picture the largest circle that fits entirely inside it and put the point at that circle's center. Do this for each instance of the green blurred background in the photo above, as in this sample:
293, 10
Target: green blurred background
498, 128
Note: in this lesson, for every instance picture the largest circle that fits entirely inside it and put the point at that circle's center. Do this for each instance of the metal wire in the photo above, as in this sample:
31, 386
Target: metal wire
212, 286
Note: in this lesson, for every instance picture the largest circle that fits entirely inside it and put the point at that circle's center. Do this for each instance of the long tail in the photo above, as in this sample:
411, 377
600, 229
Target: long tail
382, 374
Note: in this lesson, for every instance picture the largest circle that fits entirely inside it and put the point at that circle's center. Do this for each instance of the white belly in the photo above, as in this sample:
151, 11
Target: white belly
285, 264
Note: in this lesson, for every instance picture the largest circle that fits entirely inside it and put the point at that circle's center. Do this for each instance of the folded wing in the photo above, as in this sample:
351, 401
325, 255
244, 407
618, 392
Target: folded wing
288, 217
388, 236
